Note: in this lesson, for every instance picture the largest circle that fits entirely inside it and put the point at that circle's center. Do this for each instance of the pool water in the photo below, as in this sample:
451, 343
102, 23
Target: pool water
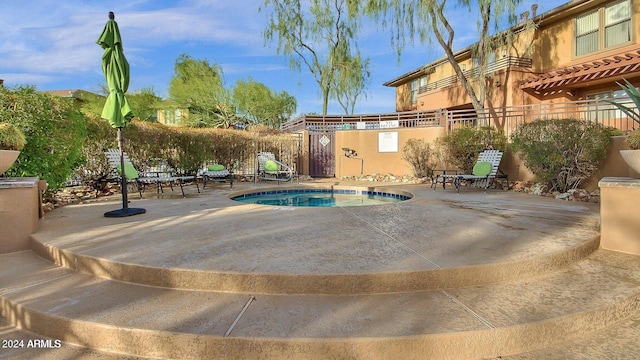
320, 198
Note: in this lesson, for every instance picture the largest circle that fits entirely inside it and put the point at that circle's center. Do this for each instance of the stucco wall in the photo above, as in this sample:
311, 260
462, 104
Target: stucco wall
19, 212
370, 159
619, 226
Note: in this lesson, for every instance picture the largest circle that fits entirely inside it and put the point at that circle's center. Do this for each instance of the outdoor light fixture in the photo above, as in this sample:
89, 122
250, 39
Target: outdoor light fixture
349, 152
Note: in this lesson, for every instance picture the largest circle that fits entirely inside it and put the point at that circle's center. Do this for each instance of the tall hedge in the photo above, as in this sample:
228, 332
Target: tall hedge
62, 143
55, 131
185, 149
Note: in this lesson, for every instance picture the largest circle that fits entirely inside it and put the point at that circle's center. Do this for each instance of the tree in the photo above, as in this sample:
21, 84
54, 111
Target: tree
429, 20
352, 83
320, 34
198, 86
258, 104
145, 104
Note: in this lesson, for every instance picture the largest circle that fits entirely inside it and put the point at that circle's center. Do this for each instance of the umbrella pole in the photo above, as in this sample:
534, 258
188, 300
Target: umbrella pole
125, 211
125, 200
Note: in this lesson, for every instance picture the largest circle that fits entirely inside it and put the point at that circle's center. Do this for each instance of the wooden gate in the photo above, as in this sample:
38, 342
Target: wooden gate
322, 154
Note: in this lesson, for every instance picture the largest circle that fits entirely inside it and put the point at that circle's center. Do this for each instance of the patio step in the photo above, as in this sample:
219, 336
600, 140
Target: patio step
437, 241
525, 314
341, 283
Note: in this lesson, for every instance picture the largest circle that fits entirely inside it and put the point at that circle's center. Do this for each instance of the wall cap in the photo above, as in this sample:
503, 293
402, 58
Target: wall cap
621, 182
22, 182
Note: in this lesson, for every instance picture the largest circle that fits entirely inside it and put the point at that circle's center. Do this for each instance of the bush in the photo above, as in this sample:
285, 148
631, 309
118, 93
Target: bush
462, 146
633, 140
562, 152
418, 153
11, 138
54, 129
185, 149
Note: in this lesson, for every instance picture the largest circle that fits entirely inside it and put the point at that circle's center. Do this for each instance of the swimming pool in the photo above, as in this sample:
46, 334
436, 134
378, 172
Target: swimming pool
321, 197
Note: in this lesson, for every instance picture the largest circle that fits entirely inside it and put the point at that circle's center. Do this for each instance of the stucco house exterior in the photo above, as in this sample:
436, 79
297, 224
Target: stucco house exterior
562, 62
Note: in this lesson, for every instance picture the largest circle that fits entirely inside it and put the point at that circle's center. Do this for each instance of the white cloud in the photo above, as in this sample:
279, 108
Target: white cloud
53, 45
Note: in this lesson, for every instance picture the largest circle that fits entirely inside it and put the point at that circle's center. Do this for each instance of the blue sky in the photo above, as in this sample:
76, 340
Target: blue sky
51, 44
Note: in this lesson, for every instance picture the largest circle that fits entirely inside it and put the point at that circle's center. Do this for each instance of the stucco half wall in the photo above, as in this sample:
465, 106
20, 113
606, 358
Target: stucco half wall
378, 151
20, 211
371, 160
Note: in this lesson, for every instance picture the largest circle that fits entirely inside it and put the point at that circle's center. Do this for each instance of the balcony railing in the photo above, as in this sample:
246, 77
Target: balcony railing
507, 118
505, 62
320, 123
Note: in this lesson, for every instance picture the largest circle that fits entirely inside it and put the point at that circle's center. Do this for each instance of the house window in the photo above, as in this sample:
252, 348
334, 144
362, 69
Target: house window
173, 117
613, 22
617, 23
424, 81
415, 86
587, 33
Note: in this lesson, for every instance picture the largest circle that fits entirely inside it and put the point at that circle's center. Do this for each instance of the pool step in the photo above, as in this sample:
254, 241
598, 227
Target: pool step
484, 321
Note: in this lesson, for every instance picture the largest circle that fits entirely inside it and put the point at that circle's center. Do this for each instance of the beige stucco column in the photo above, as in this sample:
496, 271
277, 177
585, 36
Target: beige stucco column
619, 214
20, 204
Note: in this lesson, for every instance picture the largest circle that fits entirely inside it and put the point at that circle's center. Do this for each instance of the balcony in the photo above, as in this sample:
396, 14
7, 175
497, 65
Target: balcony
503, 63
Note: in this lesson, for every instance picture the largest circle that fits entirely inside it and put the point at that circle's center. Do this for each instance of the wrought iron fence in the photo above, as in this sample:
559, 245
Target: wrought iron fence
288, 151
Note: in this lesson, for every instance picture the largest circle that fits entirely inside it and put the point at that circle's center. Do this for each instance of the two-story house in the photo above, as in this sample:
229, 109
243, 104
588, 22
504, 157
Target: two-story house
561, 63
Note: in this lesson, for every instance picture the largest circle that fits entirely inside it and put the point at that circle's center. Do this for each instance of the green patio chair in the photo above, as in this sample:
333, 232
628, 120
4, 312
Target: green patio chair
484, 172
159, 174
270, 169
216, 172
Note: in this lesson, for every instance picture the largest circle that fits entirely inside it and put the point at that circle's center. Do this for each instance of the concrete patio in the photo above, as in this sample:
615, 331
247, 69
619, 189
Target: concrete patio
441, 276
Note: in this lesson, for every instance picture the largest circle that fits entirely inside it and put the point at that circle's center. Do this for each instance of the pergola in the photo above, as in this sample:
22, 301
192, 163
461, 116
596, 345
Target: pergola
564, 79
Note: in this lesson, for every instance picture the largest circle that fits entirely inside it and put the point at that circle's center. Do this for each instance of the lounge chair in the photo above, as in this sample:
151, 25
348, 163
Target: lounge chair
158, 175
270, 169
216, 172
484, 171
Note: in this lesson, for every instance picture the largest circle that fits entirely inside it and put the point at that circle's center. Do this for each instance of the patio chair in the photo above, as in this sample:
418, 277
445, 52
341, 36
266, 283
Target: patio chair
270, 169
216, 172
484, 172
157, 175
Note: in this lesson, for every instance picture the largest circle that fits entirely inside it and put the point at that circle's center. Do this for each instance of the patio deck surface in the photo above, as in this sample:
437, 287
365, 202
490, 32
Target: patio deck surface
466, 275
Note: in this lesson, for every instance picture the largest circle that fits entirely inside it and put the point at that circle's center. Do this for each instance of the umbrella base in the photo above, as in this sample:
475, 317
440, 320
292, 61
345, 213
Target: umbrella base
125, 212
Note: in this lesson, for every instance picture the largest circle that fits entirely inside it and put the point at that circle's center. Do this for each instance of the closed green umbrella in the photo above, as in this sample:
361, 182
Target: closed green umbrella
117, 108
116, 71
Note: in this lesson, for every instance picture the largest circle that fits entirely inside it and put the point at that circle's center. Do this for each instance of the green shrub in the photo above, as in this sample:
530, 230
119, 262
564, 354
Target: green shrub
100, 135
417, 152
562, 152
11, 138
54, 129
462, 146
63, 143
633, 140
616, 131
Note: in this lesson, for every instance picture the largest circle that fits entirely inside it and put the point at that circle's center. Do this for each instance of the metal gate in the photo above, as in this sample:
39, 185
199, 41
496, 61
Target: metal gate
322, 154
